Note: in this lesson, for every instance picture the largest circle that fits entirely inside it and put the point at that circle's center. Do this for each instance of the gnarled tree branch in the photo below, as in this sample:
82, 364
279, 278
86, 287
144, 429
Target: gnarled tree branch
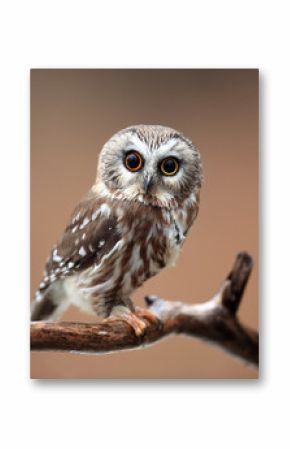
215, 321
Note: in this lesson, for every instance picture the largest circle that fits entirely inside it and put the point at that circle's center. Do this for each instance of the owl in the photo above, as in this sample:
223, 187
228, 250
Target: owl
131, 224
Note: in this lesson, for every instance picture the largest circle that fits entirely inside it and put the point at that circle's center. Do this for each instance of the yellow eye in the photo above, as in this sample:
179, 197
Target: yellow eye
169, 166
133, 161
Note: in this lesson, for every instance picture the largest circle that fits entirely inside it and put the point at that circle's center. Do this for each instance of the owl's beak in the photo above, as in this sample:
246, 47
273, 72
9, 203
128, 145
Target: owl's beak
147, 183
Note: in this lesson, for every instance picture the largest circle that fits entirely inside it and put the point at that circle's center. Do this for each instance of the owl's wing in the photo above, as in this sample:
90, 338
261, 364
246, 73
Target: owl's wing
91, 234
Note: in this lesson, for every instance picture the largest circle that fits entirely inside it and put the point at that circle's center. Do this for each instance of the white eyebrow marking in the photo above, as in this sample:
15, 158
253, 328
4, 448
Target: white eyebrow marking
138, 144
168, 145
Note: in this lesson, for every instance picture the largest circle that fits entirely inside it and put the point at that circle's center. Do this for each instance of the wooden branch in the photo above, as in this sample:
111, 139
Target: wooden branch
214, 321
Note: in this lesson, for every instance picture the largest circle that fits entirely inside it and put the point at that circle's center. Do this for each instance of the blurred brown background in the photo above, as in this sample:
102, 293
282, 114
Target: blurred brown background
73, 113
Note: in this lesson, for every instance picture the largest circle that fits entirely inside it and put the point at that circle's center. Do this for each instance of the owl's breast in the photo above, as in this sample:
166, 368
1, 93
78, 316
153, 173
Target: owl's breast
174, 238
179, 222
150, 240
156, 246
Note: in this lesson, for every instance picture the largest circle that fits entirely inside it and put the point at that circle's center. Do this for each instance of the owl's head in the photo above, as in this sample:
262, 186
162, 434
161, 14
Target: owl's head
152, 164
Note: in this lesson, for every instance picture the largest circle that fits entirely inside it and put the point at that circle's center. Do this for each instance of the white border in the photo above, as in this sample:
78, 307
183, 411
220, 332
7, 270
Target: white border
133, 34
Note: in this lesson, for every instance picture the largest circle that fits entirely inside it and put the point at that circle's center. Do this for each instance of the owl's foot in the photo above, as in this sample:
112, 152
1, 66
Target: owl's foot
138, 319
148, 315
125, 314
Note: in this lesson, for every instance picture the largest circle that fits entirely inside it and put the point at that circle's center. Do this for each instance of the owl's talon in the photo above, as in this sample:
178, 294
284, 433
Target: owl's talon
149, 316
137, 324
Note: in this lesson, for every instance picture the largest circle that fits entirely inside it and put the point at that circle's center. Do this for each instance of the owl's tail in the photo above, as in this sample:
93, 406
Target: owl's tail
49, 304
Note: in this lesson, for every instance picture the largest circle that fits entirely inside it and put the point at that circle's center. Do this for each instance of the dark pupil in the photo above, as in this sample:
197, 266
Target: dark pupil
133, 161
169, 166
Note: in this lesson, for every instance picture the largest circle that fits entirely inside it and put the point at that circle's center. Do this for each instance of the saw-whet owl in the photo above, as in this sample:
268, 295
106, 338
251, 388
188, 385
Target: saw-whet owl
130, 225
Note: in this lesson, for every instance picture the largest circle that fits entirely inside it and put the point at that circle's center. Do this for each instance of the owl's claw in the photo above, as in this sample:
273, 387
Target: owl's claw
137, 324
149, 316
136, 320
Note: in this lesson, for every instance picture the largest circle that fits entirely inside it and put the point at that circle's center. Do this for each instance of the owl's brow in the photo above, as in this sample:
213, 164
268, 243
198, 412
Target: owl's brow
170, 145
154, 136
144, 148
138, 144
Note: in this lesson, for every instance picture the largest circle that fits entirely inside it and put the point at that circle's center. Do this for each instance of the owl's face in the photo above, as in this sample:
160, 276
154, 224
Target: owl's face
151, 164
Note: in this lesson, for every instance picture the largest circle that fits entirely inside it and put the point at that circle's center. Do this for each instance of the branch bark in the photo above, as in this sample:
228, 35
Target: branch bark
215, 321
